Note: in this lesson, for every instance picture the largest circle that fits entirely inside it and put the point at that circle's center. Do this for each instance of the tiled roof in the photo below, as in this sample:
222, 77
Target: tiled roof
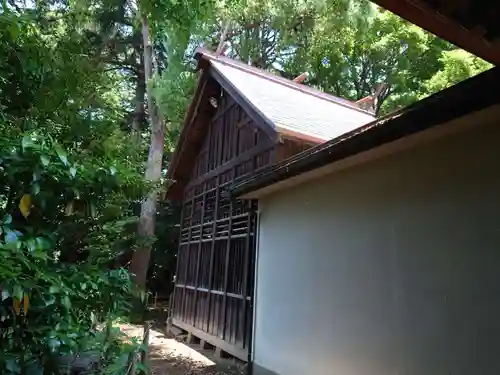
292, 108
464, 98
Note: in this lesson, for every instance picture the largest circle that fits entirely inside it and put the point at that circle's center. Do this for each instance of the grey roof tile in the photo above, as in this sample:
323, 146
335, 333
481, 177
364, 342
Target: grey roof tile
293, 109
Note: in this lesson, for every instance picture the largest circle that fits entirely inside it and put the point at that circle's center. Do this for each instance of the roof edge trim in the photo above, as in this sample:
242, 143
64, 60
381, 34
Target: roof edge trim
457, 101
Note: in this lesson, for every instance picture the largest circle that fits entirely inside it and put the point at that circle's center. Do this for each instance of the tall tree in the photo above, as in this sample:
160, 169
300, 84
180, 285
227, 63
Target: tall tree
67, 179
457, 65
381, 48
140, 260
176, 22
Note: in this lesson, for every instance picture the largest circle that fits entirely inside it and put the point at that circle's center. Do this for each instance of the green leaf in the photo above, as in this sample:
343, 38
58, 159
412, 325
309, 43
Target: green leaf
93, 211
17, 292
45, 160
54, 289
142, 368
49, 300
112, 170
61, 154
72, 171
12, 366
36, 175
7, 219
54, 343
27, 142
42, 243
66, 302
35, 188
5, 294
31, 245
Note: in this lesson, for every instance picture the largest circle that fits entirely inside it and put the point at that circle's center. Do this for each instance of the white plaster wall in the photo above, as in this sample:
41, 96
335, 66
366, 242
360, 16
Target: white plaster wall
390, 268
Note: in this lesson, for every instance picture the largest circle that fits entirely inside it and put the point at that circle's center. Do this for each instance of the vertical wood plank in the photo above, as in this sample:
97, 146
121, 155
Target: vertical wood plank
188, 246
212, 252
208, 143
246, 270
226, 264
198, 257
171, 301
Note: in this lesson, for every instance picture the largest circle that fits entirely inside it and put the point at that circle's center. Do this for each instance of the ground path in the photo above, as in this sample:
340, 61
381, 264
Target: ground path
171, 356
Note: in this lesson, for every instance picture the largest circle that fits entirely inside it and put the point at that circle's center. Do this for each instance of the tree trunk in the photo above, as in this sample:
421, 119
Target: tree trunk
139, 110
140, 259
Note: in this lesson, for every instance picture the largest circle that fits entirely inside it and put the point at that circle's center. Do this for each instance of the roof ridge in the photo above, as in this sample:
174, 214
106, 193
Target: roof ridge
209, 55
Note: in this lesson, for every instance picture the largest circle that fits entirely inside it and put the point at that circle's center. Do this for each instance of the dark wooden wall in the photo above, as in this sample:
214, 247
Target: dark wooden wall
214, 284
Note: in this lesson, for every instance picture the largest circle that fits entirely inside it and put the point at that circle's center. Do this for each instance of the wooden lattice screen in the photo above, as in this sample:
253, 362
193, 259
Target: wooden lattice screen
214, 282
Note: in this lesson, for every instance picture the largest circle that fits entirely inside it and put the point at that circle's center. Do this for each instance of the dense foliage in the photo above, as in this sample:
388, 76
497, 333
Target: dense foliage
68, 182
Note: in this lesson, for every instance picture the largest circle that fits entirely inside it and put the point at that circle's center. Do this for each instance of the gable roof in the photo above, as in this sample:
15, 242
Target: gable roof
290, 108
277, 105
469, 96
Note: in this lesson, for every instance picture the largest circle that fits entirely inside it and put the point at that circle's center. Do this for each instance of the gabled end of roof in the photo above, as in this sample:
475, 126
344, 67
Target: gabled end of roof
204, 56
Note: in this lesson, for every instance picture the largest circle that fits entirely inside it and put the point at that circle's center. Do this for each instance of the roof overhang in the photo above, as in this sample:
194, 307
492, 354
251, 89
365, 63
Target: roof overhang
471, 25
285, 132
468, 97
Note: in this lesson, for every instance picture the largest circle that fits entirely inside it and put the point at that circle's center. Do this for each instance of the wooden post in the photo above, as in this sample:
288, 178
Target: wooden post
246, 270
198, 256
188, 252
212, 252
171, 305
226, 265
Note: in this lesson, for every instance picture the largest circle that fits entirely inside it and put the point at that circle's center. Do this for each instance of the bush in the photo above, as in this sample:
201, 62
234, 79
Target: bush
60, 229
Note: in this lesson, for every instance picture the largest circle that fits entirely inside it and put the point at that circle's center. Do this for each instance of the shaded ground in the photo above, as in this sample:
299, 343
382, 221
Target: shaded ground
170, 356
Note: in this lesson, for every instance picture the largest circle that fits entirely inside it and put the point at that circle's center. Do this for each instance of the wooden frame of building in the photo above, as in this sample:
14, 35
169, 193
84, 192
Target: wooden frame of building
228, 135
241, 122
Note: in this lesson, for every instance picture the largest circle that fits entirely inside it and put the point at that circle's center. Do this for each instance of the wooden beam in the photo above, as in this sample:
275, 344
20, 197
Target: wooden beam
190, 117
226, 265
241, 354
198, 258
177, 264
301, 78
188, 246
231, 164
212, 252
247, 262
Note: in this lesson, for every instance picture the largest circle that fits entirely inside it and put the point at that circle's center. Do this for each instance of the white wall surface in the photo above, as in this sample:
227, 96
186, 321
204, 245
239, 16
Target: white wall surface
389, 268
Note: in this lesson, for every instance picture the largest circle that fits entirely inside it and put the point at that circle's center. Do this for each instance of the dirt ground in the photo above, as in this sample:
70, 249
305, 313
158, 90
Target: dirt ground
170, 356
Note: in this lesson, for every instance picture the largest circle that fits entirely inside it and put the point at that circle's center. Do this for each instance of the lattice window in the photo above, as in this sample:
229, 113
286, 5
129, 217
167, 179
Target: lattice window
210, 201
